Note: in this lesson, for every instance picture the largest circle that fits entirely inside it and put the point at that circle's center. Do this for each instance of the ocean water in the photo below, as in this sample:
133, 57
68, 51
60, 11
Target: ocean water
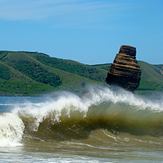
99, 124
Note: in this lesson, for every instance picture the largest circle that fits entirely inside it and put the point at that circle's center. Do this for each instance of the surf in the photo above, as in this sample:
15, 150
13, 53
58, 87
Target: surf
66, 115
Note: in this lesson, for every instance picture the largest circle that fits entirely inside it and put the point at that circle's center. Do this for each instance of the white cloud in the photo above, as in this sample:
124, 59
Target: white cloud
43, 9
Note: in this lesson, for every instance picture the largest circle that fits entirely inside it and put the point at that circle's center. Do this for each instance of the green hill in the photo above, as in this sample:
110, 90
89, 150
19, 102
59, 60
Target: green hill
29, 73
151, 77
159, 68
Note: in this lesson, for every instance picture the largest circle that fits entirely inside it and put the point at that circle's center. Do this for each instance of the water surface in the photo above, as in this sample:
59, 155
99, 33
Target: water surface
99, 125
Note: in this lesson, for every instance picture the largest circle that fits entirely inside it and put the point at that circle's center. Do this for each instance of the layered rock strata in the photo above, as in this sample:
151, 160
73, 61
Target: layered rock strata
125, 71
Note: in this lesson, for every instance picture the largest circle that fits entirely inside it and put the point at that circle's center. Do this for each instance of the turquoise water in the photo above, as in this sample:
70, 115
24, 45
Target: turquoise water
99, 125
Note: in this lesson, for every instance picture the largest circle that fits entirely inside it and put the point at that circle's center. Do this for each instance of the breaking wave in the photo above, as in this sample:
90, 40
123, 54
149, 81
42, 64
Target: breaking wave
11, 130
65, 115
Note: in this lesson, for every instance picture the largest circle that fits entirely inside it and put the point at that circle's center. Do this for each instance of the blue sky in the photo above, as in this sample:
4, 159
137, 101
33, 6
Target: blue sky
89, 31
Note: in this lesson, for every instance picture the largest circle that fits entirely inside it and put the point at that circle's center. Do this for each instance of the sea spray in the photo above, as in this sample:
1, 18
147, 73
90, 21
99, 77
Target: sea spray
98, 94
38, 112
68, 115
11, 130
111, 108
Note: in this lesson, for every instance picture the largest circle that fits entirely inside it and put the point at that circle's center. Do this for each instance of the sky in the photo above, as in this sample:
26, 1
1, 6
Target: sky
88, 31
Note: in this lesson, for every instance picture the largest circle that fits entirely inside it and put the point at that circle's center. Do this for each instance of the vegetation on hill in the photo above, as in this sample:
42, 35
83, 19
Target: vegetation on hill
73, 67
150, 78
13, 82
159, 68
31, 68
29, 73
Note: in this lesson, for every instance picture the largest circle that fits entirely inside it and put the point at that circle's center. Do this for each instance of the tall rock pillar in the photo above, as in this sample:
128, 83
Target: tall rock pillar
124, 71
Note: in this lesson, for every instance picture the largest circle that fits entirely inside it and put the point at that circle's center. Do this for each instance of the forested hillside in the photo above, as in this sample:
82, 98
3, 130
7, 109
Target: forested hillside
29, 73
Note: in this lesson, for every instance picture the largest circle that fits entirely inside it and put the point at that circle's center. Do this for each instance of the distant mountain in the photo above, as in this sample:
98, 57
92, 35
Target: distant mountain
29, 73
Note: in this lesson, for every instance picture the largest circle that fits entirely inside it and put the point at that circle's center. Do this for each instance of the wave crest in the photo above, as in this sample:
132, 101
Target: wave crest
66, 115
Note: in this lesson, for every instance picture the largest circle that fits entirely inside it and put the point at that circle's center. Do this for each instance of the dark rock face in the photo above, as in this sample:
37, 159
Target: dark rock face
125, 72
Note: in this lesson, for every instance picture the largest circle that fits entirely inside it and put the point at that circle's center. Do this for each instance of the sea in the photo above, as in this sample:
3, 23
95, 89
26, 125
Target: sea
95, 125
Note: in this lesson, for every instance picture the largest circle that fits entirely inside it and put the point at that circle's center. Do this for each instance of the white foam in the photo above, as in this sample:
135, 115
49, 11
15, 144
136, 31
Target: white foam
11, 130
93, 96
12, 127
104, 94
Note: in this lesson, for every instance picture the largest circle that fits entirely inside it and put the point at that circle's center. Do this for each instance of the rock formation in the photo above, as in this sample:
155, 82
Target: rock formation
125, 72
